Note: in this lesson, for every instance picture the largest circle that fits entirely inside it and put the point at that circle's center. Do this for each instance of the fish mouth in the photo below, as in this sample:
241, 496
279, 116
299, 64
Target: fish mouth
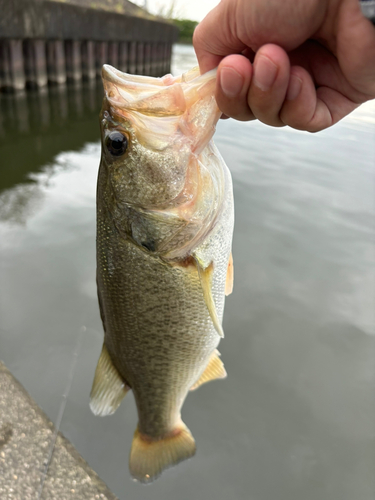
108, 72
117, 77
144, 94
191, 77
168, 96
191, 84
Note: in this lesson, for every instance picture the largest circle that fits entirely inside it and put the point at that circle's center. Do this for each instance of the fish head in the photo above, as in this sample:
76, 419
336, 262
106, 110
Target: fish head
153, 131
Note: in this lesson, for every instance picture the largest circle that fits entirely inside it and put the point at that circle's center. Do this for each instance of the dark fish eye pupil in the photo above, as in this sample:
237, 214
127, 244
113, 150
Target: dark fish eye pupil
116, 143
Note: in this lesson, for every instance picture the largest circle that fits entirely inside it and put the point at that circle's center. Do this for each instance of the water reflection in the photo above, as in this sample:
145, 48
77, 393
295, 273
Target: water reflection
20, 202
36, 126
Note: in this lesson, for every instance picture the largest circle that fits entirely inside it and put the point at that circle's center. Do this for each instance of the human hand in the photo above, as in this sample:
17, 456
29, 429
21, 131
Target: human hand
302, 63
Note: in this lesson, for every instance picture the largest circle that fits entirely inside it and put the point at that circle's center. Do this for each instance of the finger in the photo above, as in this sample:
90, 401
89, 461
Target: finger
325, 69
269, 84
356, 48
233, 82
212, 44
306, 108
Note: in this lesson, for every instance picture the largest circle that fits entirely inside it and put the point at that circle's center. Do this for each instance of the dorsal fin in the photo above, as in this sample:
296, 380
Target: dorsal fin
214, 370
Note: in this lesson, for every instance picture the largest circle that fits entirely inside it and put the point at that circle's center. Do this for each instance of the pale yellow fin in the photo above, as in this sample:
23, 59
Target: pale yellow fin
229, 280
149, 457
205, 276
215, 369
108, 388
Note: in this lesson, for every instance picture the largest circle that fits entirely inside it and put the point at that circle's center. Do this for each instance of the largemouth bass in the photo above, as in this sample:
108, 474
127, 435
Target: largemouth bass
164, 234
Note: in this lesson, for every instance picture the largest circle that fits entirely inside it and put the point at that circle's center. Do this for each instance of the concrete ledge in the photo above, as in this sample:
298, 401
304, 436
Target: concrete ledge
35, 460
44, 19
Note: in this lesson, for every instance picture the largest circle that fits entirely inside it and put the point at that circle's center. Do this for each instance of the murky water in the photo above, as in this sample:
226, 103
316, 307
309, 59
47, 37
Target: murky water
295, 419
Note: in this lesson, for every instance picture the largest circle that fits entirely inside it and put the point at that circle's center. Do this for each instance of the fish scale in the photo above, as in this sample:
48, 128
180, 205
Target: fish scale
163, 257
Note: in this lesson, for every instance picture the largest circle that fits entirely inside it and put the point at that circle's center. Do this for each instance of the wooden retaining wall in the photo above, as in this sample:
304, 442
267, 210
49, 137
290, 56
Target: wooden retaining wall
44, 42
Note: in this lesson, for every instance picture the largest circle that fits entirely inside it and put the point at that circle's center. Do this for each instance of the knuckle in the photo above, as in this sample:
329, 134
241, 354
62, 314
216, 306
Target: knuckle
197, 37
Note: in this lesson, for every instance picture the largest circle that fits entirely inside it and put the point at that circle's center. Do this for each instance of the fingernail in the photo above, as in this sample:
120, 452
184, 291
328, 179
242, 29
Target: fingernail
264, 73
294, 88
231, 82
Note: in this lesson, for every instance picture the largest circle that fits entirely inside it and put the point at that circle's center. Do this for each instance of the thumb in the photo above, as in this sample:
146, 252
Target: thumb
213, 39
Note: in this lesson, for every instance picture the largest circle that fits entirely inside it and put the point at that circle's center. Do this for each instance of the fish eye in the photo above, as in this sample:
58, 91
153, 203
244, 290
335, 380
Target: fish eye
116, 143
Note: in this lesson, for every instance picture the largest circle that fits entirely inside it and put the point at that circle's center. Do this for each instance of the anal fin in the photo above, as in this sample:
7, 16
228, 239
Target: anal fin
108, 388
214, 370
205, 276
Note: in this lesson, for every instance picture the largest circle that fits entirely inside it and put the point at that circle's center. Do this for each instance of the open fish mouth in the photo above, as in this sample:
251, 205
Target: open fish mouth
166, 96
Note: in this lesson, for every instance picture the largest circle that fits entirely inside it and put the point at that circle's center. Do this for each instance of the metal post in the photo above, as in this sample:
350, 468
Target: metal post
73, 60
168, 56
147, 54
113, 54
154, 59
132, 57
12, 75
160, 58
88, 60
56, 62
140, 58
101, 56
123, 56
34, 52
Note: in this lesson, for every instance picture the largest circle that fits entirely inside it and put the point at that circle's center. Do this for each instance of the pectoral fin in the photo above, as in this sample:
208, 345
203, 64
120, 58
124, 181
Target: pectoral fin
229, 280
108, 388
215, 369
205, 276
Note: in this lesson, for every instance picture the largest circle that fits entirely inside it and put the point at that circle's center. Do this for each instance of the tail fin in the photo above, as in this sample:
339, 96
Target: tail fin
148, 457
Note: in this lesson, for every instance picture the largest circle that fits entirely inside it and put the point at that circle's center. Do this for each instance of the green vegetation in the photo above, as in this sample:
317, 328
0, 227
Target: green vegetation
186, 27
